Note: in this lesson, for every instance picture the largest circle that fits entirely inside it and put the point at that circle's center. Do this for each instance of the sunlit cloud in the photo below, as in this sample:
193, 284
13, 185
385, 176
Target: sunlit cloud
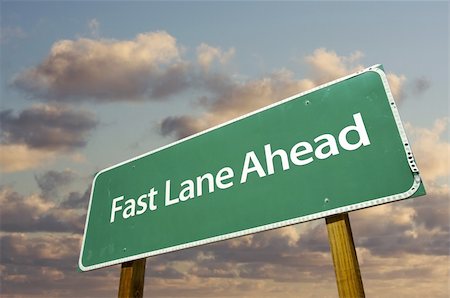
207, 54
431, 149
327, 65
15, 158
106, 69
396, 83
232, 98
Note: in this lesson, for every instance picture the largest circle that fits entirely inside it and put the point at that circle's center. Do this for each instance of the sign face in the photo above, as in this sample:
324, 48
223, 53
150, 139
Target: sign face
336, 148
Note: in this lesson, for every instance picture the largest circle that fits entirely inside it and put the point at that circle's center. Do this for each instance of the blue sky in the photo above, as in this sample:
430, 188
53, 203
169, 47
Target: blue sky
248, 47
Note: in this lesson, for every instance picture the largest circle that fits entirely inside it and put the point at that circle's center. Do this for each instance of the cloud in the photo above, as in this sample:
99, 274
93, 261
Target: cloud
327, 65
414, 226
249, 257
406, 275
288, 260
26, 248
420, 85
431, 150
34, 213
274, 263
207, 54
398, 233
15, 158
53, 128
51, 181
106, 70
44, 264
48, 270
164, 271
282, 262
432, 212
39, 134
231, 98
397, 83
77, 200
173, 80
151, 67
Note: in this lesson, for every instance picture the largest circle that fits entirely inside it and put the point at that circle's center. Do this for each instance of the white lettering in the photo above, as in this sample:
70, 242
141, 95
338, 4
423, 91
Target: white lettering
295, 154
269, 159
142, 204
188, 192
129, 210
302, 153
115, 208
200, 179
251, 157
360, 129
168, 200
151, 195
330, 143
220, 178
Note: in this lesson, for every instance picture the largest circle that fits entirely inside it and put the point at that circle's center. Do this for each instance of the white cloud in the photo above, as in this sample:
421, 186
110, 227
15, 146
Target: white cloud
206, 55
14, 158
105, 69
397, 83
431, 150
327, 65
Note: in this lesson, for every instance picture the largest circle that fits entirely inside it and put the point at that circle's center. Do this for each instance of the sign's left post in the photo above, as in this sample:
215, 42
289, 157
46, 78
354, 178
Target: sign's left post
132, 277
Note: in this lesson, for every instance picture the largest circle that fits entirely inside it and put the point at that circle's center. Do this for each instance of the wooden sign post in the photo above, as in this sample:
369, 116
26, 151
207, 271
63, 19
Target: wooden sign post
132, 277
346, 267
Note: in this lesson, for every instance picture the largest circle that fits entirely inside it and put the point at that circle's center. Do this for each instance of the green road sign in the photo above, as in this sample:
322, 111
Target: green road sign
336, 148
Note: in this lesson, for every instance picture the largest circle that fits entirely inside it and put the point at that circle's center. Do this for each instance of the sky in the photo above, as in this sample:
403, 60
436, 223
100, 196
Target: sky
85, 85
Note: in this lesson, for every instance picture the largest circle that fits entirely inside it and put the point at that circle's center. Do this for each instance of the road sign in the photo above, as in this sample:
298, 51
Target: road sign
333, 149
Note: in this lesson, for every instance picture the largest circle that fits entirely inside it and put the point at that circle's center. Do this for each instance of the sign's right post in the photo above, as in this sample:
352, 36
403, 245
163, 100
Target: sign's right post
346, 267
